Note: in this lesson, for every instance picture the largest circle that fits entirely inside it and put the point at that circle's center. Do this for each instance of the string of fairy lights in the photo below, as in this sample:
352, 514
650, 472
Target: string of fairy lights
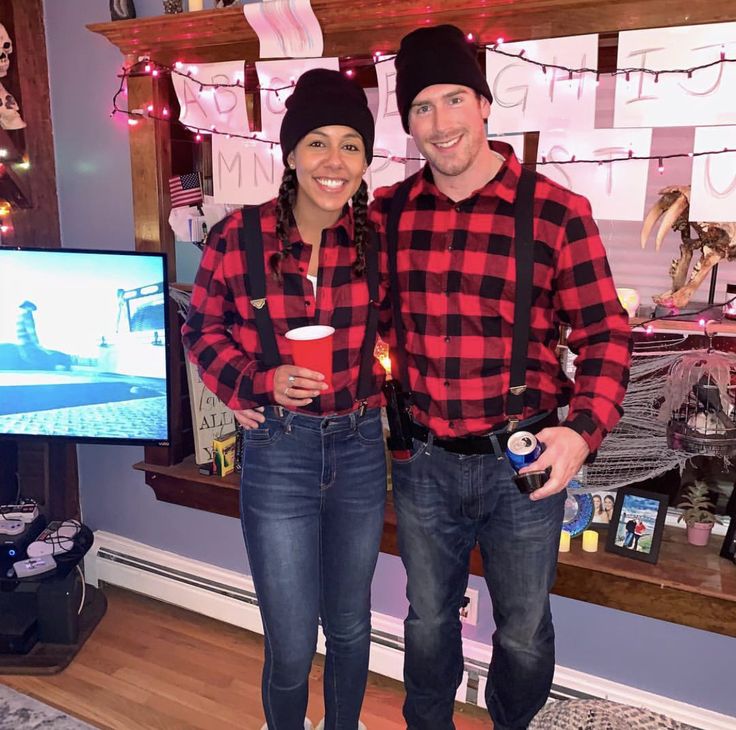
189, 72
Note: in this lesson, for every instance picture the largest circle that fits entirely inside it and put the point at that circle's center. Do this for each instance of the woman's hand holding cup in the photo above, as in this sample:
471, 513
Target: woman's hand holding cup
296, 387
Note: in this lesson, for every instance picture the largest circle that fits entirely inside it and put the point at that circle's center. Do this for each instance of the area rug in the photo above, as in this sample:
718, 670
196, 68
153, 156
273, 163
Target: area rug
597, 714
20, 712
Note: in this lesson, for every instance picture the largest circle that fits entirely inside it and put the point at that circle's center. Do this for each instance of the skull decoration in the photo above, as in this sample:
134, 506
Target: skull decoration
10, 117
9, 112
6, 50
715, 241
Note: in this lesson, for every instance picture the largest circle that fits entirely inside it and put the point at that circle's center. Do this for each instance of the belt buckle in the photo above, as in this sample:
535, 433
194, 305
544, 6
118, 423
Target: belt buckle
513, 423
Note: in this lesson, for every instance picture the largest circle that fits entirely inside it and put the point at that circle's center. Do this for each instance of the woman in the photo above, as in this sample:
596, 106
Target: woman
599, 514
639, 531
314, 477
608, 505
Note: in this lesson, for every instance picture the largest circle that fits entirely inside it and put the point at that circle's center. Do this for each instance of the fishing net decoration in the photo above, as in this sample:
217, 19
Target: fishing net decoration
667, 418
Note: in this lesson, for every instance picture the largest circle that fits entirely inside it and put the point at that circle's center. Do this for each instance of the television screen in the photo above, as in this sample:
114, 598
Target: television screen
83, 345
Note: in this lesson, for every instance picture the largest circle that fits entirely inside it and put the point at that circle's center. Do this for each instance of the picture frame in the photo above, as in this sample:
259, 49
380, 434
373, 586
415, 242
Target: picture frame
636, 528
604, 503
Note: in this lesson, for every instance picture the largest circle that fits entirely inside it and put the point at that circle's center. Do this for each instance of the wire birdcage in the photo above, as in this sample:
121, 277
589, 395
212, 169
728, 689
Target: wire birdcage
699, 403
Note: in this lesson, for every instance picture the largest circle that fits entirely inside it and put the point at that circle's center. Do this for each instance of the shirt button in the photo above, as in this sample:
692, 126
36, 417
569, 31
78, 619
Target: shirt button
447, 339
301, 269
306, 304
458, 209
447, 383
451, 424
449, 248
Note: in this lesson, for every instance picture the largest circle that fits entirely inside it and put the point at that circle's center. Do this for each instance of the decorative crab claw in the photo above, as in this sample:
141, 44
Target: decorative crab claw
673, 201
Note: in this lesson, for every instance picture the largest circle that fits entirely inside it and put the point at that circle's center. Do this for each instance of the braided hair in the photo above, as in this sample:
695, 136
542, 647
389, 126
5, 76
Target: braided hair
360, 226
285, 202
284, 206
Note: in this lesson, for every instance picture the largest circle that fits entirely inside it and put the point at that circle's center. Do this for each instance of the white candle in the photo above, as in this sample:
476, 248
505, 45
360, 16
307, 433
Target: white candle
590, 541
564, 542
195, 5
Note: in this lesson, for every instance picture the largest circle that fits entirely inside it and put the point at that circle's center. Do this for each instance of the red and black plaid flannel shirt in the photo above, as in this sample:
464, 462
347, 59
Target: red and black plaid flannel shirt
220, 334
457, 281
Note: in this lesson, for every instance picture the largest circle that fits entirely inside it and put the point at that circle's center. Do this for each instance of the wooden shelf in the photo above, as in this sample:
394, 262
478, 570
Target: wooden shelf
183, 484
689, 585
364, 27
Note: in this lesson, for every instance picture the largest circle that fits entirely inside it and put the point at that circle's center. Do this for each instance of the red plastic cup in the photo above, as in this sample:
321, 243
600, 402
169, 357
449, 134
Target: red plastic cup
311, 347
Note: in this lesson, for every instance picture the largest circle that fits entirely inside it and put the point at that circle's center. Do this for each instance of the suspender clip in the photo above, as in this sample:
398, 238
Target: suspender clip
513, 423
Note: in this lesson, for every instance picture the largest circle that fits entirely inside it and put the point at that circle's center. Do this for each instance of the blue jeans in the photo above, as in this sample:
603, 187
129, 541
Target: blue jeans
445, 504
312, 506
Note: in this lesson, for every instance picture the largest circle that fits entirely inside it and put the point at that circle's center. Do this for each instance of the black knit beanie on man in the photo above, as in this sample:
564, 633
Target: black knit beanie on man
321, 98
437, 55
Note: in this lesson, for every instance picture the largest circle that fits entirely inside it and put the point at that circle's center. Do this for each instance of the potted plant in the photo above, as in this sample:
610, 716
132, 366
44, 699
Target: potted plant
697, 513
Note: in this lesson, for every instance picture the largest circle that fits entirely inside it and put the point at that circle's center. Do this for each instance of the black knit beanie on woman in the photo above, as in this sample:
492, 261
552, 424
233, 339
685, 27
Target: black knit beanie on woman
437, 55
321, 98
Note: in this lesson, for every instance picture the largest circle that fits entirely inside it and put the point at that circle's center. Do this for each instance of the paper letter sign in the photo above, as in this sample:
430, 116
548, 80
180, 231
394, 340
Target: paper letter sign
245, 172
277, 75
713, 191
208, 107
528, 98
674, 100
616, 190
285, 28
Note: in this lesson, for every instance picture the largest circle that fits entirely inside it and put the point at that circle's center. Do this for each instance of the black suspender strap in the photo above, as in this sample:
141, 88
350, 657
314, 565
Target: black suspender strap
365, 374
396, 206
251, 241
524, 254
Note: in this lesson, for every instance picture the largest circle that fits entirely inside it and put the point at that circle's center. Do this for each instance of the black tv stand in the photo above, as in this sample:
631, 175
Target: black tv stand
54, 601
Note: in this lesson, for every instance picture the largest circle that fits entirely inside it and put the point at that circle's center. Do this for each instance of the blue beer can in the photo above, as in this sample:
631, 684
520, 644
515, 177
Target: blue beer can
522, 448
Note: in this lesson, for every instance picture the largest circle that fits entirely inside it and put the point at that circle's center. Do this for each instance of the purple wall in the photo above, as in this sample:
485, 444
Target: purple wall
93, 173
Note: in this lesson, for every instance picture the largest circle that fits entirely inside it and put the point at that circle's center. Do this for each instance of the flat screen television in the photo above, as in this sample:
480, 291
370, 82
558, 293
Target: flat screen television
83, 345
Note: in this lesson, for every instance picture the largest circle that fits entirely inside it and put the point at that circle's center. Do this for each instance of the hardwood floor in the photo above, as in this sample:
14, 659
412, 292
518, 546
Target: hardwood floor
152, 666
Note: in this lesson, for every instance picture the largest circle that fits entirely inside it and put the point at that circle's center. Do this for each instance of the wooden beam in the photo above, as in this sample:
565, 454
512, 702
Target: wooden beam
361, 28
150, 160
37, 224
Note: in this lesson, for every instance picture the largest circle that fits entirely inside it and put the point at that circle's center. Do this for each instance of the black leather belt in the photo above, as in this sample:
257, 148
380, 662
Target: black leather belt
483, 444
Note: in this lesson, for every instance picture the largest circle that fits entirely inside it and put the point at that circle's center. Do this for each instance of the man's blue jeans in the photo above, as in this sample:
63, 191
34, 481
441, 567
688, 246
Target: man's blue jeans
445, 504
312, 505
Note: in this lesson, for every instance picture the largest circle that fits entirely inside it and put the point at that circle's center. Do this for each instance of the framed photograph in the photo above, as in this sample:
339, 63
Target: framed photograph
635, 530
603, 506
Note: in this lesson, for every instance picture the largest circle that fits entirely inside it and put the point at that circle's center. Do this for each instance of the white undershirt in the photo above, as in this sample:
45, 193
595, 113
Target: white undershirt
313, 279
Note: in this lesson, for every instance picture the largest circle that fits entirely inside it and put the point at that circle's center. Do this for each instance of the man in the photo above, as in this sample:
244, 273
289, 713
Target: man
456, 289
32, 355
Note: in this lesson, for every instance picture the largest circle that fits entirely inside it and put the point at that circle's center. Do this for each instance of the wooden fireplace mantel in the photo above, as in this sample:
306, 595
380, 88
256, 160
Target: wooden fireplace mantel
361, 28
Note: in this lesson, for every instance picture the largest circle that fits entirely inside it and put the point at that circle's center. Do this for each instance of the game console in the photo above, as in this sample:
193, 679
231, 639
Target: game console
14, 541
23, 512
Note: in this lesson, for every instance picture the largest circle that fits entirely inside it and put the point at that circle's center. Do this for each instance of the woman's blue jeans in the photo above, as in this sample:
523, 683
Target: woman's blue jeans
445, 504
312, 506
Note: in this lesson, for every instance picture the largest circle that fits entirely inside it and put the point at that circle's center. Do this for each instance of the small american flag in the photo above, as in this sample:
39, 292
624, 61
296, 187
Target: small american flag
185, 190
